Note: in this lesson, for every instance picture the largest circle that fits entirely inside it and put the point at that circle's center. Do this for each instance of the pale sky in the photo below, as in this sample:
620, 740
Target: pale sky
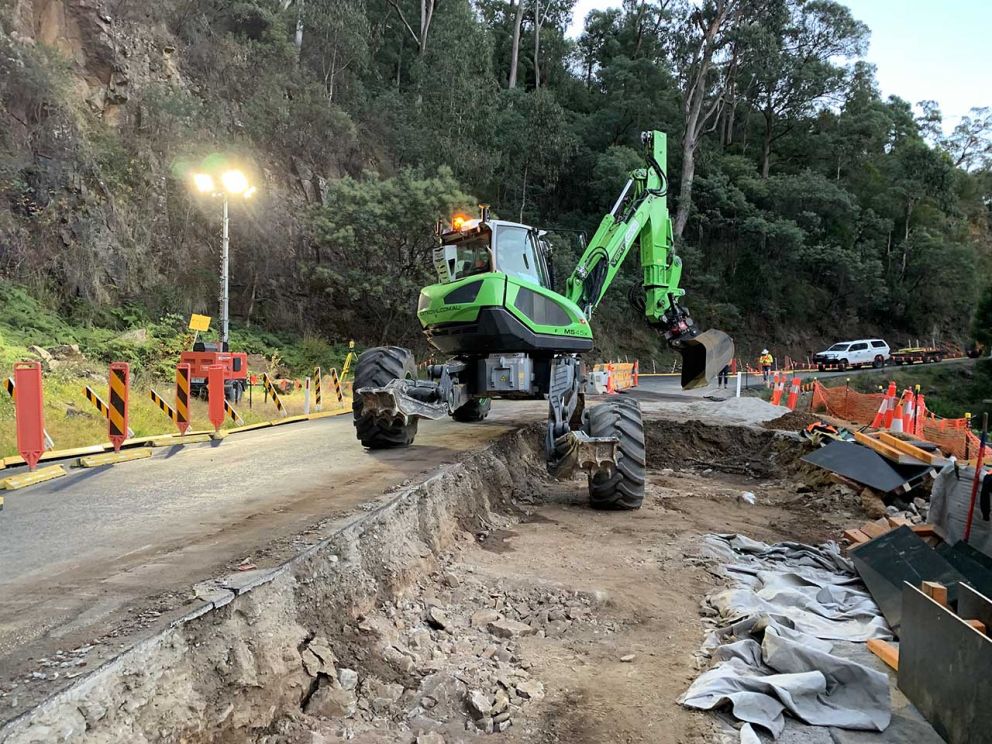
922, 49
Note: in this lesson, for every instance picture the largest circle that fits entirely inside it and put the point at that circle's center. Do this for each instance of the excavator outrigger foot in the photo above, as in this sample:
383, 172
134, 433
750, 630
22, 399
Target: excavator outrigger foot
403, 400
576, 450
703, 357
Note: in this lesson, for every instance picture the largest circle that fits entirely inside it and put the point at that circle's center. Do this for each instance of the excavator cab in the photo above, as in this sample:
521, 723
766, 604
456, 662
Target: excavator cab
475, 247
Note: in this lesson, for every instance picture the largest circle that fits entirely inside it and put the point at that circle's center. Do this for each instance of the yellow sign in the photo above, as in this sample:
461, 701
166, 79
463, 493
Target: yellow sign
199, 322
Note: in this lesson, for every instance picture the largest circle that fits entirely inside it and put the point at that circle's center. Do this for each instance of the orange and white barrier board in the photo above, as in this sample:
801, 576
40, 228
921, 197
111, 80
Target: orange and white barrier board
29, 416
620, 375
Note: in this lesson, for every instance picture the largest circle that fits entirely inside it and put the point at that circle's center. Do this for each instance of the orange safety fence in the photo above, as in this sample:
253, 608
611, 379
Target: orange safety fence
845, 403
952, 435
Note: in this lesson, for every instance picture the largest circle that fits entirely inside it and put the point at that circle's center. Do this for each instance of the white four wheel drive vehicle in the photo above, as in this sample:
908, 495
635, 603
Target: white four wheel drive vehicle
861, 353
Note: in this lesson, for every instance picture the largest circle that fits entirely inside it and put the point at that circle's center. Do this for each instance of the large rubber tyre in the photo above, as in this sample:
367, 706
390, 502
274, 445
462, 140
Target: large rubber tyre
624, 489
474, 411
376, 368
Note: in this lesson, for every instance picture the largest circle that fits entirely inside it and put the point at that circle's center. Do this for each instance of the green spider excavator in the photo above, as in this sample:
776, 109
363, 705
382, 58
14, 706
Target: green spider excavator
509, 334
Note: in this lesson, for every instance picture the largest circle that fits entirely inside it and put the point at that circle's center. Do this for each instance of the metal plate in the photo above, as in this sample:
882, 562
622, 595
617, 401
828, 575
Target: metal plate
864, 466
975, 566
974, 605
896, 557
944, 667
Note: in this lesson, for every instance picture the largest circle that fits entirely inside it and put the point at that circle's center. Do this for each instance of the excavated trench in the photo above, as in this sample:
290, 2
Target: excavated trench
371, 632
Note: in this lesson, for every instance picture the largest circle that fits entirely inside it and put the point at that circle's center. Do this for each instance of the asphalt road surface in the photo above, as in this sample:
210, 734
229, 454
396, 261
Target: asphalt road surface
88, 554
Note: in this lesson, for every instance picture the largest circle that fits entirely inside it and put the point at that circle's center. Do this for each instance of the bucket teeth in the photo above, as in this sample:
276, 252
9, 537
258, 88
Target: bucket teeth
396, 400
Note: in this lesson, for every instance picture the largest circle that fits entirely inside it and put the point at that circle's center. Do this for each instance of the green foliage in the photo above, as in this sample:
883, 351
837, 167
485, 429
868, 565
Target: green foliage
370, 224
816, 204
981, 328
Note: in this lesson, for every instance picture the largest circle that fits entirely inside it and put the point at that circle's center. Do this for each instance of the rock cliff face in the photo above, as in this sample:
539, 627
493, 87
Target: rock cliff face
108, 56
97, 113
74, 69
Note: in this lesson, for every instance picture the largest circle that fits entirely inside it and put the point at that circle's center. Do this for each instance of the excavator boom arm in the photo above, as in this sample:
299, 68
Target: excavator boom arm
640, 215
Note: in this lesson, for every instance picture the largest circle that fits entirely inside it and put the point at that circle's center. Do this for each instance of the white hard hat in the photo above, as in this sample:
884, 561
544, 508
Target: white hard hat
764, 351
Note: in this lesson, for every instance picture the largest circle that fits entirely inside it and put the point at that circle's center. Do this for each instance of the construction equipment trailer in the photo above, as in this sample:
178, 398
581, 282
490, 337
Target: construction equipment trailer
509, 334
917, 354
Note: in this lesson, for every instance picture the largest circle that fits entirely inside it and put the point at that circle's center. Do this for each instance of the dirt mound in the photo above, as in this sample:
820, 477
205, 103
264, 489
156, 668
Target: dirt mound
792, 421
731, 449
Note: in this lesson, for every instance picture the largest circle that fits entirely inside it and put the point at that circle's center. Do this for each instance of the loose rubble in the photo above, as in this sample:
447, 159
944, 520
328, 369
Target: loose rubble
449, 660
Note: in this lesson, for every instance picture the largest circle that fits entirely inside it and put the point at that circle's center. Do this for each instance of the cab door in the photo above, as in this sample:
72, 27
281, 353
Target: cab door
518, 255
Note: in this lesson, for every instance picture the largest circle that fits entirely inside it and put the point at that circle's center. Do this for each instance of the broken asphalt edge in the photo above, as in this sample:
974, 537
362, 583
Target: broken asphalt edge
63, 703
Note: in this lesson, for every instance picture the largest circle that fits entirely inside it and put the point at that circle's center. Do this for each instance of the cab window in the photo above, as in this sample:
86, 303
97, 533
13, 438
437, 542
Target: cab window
516, 255
472, 257
859, 347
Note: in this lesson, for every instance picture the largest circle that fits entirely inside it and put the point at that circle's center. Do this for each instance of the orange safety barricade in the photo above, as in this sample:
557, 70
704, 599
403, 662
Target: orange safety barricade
182, 397
900, 420
120, 387
921, 414
215, 396
890, 400
879, 421
29, 413
620, 375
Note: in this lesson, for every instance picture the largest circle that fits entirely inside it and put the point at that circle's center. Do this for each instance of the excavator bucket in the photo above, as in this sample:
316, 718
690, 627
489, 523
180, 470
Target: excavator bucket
704, 356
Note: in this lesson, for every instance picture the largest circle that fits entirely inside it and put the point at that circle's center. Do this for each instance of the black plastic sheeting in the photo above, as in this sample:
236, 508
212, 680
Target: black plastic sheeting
975, 566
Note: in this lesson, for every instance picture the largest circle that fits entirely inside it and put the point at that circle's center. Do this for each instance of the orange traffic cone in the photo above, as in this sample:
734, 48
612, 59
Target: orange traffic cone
793, 394
883, 408
899, 424
890, 398
908, 424
637, 373
610, 389
921, 415
779, 389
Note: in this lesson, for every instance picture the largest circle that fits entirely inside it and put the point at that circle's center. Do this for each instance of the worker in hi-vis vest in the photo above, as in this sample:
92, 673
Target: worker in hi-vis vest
766, 361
